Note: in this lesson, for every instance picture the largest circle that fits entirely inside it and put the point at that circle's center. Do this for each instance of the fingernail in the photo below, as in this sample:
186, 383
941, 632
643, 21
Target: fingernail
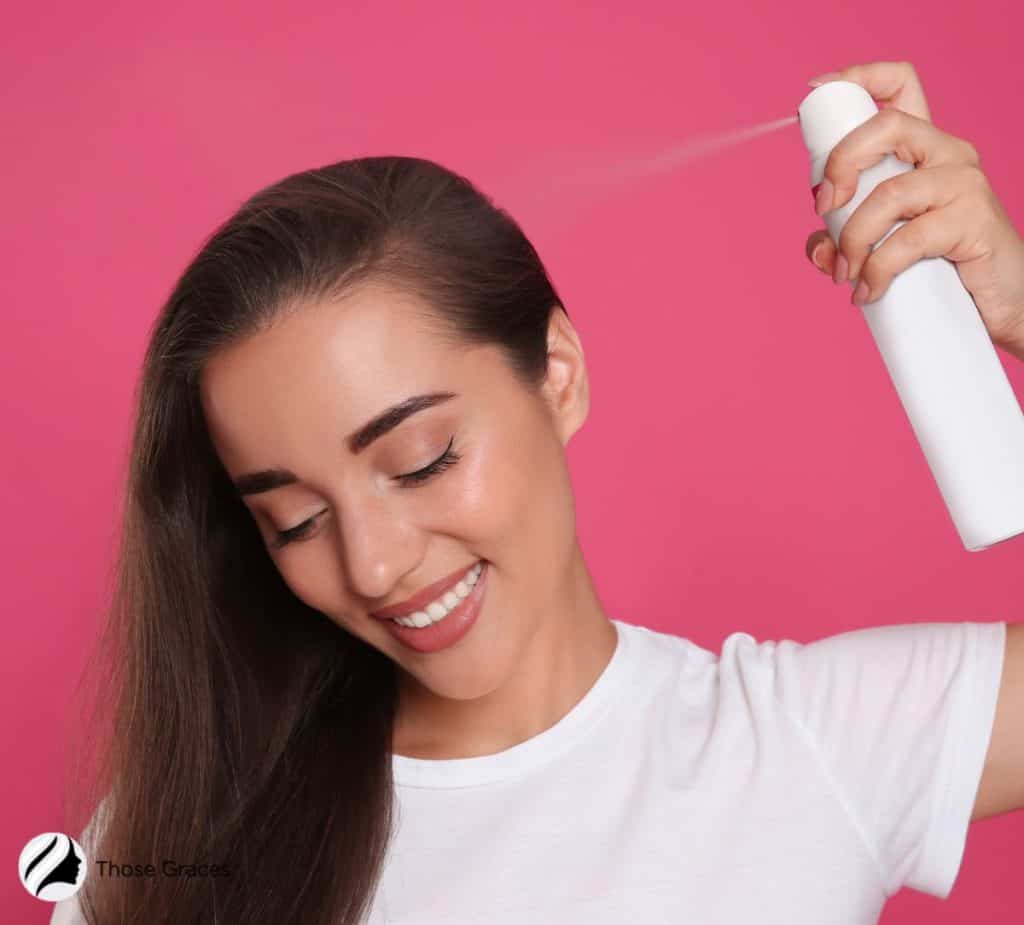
840, 269
814, 255
823, 78
823, 199
860, 294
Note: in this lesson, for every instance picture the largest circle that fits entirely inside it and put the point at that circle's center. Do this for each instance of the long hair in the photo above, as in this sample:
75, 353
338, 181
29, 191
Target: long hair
237, 726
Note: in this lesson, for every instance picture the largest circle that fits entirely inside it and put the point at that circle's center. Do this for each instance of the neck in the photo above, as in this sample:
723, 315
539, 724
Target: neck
549, 668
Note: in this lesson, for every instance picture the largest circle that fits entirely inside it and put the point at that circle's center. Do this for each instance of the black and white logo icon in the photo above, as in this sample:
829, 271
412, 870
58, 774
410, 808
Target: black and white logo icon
52, 866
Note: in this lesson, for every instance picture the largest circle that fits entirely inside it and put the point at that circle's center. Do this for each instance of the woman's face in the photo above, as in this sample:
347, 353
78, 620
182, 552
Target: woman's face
289, 398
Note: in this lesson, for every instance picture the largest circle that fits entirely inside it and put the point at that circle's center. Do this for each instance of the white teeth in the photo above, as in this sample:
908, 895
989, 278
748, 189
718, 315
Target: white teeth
439, 609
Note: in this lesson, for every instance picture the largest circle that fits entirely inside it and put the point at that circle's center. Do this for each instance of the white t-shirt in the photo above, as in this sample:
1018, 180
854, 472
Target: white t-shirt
778, 782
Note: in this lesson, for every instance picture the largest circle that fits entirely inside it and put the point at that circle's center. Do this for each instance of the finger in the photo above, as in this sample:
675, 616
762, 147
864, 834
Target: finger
820, 250
904, 196
933, 234
894, 84
911, 139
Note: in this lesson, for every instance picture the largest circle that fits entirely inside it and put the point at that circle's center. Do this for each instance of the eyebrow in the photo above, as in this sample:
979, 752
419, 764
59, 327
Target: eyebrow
254, 483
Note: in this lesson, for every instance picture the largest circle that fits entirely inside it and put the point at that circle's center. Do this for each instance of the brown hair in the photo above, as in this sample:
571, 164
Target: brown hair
237, 725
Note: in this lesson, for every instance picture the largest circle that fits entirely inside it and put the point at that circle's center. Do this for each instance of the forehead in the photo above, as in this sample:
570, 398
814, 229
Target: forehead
341, 361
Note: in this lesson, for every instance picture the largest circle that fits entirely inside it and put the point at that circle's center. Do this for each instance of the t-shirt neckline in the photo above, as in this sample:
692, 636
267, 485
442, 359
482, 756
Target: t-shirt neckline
447, 773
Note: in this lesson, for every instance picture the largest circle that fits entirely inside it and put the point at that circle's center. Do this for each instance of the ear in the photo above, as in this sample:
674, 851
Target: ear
566, 388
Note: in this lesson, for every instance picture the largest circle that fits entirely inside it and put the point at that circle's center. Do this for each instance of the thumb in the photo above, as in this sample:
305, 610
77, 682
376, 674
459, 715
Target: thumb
821, 251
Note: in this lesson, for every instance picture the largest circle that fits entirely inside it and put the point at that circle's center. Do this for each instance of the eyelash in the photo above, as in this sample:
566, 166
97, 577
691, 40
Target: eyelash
445, 461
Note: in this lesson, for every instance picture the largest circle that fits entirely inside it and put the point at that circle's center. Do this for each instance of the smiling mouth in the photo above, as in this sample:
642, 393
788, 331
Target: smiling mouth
435, 601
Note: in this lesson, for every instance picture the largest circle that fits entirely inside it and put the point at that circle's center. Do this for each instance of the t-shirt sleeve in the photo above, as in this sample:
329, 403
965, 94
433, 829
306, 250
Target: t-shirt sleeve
901, 716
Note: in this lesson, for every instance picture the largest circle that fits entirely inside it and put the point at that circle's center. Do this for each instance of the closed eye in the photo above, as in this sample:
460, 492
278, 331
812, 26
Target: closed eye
445, 461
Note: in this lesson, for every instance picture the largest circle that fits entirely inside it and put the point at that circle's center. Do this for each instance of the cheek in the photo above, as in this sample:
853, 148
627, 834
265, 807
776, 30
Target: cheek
298, 571
515, 488
312, 575
493, 488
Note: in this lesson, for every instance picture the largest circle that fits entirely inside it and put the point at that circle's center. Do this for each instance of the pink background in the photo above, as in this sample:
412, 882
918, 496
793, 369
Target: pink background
747, 464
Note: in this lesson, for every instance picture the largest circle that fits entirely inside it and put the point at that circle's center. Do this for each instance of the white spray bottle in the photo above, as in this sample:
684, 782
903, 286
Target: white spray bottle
936, 348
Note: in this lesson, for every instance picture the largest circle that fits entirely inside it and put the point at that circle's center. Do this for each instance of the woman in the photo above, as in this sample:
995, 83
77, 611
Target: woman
354, 407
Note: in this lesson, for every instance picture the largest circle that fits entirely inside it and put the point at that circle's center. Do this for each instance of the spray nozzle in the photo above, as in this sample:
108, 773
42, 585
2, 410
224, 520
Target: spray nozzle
830, 112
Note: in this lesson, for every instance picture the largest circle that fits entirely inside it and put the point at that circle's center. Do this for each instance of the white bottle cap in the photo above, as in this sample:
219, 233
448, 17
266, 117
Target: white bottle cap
830, 112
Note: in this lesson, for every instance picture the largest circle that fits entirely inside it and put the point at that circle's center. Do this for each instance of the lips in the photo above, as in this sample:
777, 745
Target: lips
420, 600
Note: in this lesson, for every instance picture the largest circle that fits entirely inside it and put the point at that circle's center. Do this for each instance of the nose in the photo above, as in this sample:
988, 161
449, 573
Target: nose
377, 547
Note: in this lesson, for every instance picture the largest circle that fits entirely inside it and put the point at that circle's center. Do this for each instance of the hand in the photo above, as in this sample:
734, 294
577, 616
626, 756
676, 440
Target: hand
952, 211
